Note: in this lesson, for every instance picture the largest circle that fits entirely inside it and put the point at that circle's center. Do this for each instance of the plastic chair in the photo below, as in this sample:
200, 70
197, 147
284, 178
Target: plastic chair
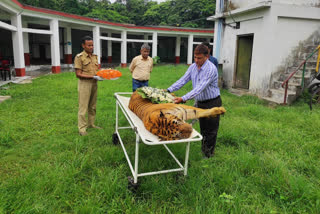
5, 69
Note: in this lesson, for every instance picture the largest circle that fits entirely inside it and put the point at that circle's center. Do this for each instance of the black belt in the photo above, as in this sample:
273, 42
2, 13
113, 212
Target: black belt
141, 80
206, 101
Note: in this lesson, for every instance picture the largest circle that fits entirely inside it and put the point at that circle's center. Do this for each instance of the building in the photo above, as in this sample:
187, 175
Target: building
31, 35
259, 42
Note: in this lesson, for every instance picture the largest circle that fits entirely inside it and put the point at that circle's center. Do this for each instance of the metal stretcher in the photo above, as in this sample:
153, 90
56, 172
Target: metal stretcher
148, 138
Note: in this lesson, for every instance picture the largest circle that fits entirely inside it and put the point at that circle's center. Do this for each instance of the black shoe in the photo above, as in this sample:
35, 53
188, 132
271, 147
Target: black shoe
207, 155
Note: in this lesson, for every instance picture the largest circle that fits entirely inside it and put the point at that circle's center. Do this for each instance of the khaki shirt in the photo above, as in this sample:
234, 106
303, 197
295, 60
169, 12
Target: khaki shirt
141, 68
88, 64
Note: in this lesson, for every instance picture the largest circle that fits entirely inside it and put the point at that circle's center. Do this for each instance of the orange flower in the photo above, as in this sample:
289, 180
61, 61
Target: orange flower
109, 74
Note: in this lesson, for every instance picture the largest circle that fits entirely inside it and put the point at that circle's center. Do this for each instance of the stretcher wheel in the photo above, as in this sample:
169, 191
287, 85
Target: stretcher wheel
131, 185
115, 139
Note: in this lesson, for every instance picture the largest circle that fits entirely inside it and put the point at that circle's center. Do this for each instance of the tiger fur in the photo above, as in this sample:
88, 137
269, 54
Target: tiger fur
167, 120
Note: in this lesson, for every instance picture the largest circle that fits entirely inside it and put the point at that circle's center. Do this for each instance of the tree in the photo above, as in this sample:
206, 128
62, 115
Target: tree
184, 13
157, 14
136, 10
109, 15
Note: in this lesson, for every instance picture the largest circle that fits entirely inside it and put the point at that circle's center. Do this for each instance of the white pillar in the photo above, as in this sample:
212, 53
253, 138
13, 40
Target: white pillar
124, 49
17, 41
178, 44
26, 45
67, 46
190, 49
55, 46
109, 49
154, 44
97, 42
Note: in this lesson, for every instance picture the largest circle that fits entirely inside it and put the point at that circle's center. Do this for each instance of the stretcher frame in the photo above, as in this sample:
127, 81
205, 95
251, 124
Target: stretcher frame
147, 138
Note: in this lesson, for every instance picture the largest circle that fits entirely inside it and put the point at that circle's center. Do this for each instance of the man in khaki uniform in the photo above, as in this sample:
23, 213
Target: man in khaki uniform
141, 67
86, 66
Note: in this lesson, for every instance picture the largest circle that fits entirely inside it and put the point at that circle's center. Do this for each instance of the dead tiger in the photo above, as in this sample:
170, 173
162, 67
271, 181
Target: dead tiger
167, 120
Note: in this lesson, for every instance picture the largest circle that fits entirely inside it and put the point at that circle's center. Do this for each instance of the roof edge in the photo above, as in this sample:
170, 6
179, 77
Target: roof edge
87, 19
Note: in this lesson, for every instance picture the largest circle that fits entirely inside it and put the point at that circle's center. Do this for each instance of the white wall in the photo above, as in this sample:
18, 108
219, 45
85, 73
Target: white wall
250, 24
299, 2
242, 3
297, 30
245, 3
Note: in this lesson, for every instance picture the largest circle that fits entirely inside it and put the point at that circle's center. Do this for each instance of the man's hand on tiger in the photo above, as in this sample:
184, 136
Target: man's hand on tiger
178, 100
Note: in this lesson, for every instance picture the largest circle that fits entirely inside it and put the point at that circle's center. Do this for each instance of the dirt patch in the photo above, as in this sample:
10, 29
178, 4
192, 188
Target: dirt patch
3, 98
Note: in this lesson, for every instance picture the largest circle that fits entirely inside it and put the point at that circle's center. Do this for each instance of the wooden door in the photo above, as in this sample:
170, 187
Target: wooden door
243, 66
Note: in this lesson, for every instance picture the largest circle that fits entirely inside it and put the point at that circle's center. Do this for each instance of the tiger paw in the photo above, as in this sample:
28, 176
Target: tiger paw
217, 111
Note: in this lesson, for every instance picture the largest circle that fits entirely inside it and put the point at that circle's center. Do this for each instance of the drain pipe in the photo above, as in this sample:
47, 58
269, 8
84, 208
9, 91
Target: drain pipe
218, 32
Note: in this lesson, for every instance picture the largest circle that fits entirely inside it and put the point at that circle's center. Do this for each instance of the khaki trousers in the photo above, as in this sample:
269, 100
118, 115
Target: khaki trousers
87, 92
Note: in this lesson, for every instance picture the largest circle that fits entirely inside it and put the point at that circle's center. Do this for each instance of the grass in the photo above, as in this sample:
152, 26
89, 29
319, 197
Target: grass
267, 158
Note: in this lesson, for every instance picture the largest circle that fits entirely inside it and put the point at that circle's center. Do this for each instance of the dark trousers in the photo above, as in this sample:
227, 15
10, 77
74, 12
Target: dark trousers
209, 126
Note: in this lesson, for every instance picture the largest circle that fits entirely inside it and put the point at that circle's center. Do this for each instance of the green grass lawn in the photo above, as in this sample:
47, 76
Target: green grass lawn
267, 158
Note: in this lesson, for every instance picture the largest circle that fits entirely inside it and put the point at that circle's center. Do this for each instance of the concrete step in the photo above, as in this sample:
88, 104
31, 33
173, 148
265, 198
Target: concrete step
296, 78
277, 96
271, 100
302, 56
307, 71
238, 91
291, 86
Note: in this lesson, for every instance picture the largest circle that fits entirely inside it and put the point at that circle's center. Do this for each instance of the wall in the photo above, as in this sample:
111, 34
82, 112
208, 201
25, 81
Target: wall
312, 3
250, 24
235, 4
292, 30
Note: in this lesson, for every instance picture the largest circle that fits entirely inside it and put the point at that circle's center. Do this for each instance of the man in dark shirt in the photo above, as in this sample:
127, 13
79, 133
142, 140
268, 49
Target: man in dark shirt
211, 58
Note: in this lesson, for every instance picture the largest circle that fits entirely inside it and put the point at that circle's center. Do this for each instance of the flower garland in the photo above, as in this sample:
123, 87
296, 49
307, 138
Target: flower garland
155, 95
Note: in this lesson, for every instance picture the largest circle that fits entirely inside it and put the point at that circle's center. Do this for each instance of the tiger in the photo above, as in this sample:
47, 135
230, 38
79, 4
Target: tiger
167, 120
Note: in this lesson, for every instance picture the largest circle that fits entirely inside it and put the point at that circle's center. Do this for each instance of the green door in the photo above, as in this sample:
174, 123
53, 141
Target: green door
244, 55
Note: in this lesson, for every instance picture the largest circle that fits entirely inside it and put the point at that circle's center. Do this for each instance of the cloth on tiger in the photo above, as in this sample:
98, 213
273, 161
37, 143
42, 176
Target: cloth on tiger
87, 89
209, 126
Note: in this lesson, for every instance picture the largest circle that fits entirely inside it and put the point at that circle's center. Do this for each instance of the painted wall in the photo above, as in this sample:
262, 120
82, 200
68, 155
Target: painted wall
235, 4
250, 25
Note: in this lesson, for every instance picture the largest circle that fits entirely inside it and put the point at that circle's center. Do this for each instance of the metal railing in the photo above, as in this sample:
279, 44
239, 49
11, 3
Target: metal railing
303, 63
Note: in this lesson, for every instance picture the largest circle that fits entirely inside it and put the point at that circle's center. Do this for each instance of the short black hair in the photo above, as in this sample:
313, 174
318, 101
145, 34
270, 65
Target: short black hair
206, 44
86, 38
201, 49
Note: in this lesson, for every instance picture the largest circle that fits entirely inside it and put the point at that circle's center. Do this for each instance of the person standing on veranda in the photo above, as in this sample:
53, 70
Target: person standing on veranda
86, 67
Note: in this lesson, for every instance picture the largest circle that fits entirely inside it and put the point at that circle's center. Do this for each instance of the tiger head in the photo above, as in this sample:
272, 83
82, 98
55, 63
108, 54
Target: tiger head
175, 128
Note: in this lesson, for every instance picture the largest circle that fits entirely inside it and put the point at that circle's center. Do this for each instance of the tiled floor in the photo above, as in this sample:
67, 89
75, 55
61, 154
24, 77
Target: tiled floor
43, 70
29, 76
